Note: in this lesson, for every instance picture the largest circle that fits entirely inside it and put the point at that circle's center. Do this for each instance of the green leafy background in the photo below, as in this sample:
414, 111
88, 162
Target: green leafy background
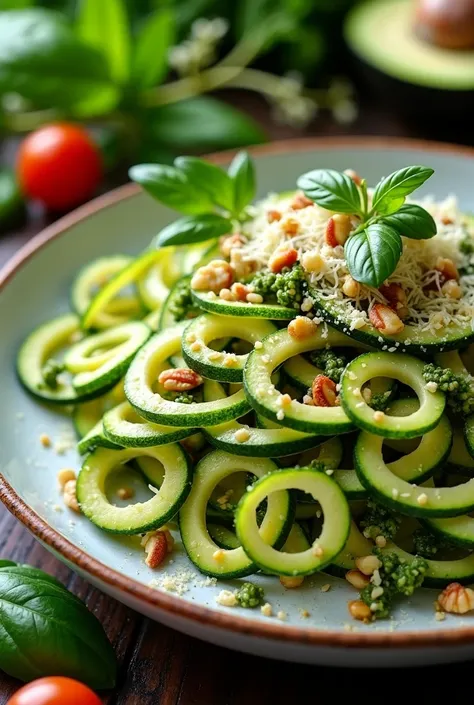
103, 61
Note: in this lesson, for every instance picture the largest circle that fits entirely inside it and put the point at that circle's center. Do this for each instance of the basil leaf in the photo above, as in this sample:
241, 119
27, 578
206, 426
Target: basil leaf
332, 190
373, 254
242, 173
19, 569
186, 231
171, 187
391, 191
208, 177
43, 60
204, 123
412, 221
104, 25
45, 630
150, 62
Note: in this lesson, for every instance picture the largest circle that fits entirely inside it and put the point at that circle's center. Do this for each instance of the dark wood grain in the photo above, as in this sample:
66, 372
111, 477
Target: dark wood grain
159, 666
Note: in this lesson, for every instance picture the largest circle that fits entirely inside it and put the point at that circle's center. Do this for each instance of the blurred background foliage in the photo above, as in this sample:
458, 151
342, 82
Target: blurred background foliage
140, 72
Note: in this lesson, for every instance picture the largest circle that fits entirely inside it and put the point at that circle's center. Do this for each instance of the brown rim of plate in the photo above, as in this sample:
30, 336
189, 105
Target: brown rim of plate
169, 603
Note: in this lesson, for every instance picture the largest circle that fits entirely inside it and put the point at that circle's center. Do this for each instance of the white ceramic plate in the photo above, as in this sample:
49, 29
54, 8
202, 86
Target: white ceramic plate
35, 287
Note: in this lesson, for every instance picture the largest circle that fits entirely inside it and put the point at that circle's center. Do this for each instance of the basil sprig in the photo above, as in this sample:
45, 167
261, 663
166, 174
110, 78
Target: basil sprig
45, 630
374, 249
213, 200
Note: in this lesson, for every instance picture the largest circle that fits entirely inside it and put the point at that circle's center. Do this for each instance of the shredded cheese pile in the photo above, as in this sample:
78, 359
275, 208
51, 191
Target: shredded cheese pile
429, 309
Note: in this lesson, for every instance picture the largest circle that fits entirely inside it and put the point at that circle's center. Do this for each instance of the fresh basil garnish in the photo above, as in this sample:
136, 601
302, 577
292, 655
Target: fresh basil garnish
45, 630
331, 190
374, 249
186, 231
372, 254
171, 187
412, 221
390, 192
211, 178
242, 173
215, 200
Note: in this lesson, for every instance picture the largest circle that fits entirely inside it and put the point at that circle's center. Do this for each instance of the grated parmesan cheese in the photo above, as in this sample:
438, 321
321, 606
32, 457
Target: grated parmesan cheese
428, 309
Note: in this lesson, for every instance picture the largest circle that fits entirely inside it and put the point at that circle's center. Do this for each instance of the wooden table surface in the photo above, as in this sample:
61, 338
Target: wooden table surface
159, 666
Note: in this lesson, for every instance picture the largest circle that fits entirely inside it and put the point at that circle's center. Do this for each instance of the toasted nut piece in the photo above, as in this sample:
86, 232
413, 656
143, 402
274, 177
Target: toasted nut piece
368, 564
156, 548
65, 475
273, 216
180, 379
337, 229
354, 176
125, 492
350, 288
300, 201
359, 610
451, 289
228, 242
357, 579
324, 391
290, 226
253, 298
282, 258
385, 319
457, 599
447, 268
394, 294
45, 440
214, 276
291, 581
240, 291
227, 295
70, 497
312, 262
242, 268
446, 220
301, 327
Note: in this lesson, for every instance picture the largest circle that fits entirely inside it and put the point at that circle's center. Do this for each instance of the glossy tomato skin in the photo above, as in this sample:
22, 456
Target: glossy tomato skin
55, 691
59, 165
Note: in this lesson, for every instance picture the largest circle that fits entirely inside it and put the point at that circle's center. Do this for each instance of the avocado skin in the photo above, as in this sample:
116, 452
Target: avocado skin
434, 106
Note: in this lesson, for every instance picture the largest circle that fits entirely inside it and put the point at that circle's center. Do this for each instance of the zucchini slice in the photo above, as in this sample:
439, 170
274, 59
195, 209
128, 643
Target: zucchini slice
95, 438
324, 549
142, 516
214, 364
458, 530
208, 301
129, 275
459, 456
356, 546
469, 438
141, 377
329, 452
93, 277
267, 401
440, 573
200, 547
350, 484
223, 536
177, 303
39, 347
101, 360
123, 426
398, 494
411, 339
242, 439
405, 369
155, 282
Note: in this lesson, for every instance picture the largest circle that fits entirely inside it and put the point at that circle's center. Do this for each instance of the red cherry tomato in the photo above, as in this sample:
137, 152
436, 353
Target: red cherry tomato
59, 165
54, 691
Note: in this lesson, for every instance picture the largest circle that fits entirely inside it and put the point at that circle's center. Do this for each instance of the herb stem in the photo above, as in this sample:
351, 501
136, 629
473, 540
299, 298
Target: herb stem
365, 198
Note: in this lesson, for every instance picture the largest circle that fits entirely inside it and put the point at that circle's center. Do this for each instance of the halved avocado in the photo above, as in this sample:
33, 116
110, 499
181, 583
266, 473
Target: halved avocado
415, 75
